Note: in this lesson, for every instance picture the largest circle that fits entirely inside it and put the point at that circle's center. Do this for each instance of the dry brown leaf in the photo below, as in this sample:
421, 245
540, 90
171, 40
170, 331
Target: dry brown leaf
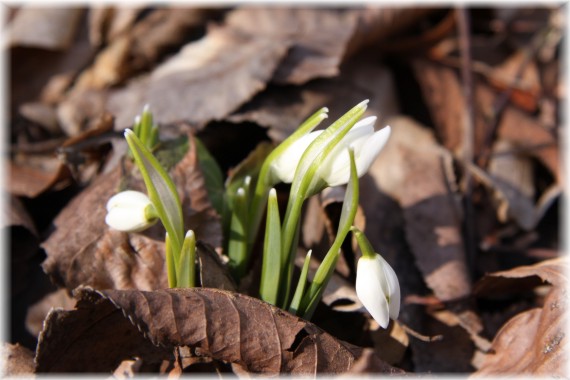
84, 250
212, 77
410, 169
108, 22
533, 342
140, 47
222, 325
16, 361
95, 337
50, 28
318, 38
16, 215
444, 96
32, 175
38, 311
283, 109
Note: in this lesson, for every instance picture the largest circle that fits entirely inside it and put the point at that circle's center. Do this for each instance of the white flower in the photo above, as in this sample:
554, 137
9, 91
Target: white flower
284, 166
130, 211
335, 171
366, 143
378, 289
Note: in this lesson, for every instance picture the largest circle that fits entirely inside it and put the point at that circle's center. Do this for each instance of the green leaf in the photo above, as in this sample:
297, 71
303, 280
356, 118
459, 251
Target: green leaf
237, 245
161, 190
170, 262
271, 266
186, 268
327, 267
213, 176
295, 307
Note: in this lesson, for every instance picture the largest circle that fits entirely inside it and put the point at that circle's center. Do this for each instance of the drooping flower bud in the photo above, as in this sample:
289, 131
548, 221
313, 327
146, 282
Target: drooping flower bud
130, 211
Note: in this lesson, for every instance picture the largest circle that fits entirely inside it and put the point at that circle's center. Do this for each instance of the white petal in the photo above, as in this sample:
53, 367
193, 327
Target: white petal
284, 166
392, 289
126, 211
368, 152
369, 290
127, 220
128, 199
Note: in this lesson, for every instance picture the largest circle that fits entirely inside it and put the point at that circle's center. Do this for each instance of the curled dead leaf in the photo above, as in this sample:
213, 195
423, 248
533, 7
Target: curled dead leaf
222, 325
533, 342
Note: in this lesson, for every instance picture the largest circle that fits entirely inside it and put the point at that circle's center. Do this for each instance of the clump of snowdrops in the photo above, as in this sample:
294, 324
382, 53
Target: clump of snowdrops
310, 161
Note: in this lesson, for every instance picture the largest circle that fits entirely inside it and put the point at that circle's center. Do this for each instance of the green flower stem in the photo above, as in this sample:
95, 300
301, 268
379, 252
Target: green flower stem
146, 126
296, 302
271, 266
186, 268
170, 262
365, 247
237, 246
327, 267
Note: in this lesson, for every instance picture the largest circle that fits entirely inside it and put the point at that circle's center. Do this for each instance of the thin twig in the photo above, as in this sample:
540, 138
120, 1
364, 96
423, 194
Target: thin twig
463, 23
417, 335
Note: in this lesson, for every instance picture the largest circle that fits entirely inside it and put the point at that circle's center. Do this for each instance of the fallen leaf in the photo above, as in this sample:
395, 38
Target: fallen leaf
95, 337
114, 259
533, 342
283, 109
410, 169
37, 312
444, 96
50, 28
318, 38
138, 48
33, 175
226, 68
17, 361
227, 326
108, 22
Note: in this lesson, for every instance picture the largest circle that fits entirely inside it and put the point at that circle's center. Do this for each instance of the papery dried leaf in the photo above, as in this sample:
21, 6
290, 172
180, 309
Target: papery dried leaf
95, 255
16, 360
378, 25
533, 342
94, 337
210, 78
410, 169
444, 96
50, 28
318, 38
17, 215
37, 312
34, 175
258, 337
107, 22
140, 47
283, 109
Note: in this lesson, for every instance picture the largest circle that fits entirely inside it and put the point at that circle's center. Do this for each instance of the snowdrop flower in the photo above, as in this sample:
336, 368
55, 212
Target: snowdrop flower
335, 171
377, 285
130, 211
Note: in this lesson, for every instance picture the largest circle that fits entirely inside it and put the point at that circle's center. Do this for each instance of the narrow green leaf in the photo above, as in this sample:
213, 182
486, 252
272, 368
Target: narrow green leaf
161, 190
237, 245
146, 126
295, 307
271, 266
307, 181
186, 268
327, 267
265, 181
170, 262
212, 176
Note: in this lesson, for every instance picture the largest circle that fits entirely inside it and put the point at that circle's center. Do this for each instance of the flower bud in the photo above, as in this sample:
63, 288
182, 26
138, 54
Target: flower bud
130, 211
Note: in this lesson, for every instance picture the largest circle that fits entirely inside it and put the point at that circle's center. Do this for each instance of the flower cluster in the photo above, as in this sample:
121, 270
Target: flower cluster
310, 161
